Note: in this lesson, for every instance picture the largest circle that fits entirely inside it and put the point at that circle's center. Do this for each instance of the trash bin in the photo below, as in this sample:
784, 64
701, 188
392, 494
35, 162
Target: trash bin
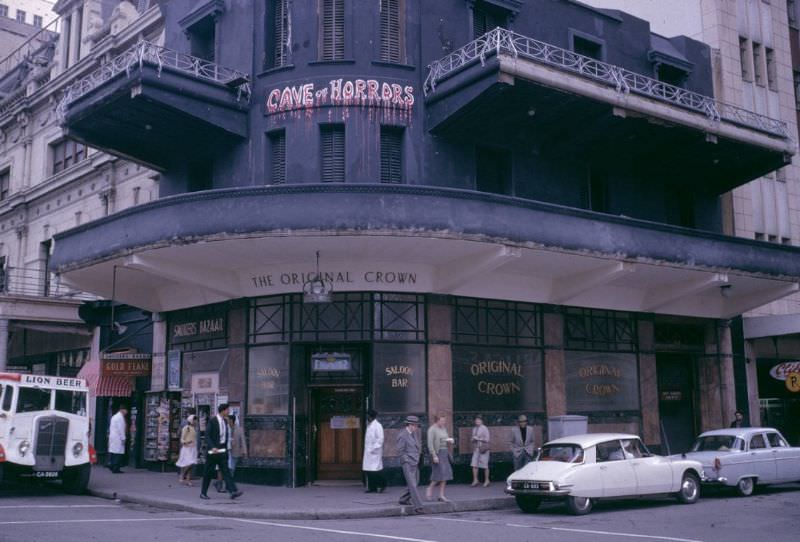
564, 426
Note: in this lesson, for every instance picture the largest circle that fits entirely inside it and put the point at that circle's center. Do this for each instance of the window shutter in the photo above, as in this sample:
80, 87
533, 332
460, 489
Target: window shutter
391, 37
332, 29
280, 21
391, 155
277, 143
332, 153
478, 23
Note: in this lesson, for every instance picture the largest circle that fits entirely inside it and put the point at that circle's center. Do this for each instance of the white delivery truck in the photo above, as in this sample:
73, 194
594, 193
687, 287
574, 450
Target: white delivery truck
44, 429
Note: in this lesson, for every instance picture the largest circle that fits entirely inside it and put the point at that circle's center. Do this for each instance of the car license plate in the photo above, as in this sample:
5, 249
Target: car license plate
46, 474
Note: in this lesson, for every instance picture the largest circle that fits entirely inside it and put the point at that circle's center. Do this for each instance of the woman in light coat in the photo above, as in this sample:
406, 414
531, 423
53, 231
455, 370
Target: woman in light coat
373, 454
188, 455
480, 451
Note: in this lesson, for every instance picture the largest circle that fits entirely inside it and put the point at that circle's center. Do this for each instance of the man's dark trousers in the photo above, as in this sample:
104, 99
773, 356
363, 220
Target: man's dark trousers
212, 462
115, 461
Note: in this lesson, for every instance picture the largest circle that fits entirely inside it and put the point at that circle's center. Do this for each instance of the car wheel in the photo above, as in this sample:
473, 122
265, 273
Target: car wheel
529, 505
579, 506
745, 487
76, 479
690, 489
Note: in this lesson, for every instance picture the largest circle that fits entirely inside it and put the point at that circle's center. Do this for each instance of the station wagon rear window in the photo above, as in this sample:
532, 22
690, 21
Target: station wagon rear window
717, 443
565, 453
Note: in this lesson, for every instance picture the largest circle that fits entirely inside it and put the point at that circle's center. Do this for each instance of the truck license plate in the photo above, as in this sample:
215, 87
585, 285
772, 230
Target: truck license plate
46, 474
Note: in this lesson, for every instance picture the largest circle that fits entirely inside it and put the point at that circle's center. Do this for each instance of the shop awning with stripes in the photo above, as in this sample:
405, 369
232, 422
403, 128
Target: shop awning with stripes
105, 386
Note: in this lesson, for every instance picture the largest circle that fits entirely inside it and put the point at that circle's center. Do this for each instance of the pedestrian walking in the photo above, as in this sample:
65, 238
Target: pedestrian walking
116, 439
238, 445
188, 454
439, 447
738, 420
480, 451
217, 442
521, 442
409, 449
219, 482
372, 464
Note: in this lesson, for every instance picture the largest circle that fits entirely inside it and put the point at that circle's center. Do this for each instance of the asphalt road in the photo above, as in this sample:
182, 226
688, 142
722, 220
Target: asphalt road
42, 514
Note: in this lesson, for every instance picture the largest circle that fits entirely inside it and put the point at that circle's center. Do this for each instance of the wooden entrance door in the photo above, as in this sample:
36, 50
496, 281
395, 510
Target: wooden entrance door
339, 432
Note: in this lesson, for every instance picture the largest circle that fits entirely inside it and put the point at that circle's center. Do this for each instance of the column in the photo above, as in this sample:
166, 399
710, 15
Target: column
751, 372
727, 380
440, 360
3, 344
648, 383
75, 35
237, 362
710, 381
555, 373
158, 371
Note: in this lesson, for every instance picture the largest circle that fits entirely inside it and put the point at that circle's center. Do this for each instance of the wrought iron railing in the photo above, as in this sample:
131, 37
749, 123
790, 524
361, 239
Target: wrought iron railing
31, 282
505, 42
146, 53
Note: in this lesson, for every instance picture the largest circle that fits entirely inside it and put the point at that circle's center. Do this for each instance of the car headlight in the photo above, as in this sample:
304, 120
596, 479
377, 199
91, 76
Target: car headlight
77, 449
24, 447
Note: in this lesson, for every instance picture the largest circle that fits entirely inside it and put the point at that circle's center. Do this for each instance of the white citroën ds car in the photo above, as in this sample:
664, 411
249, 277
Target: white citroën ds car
583, 468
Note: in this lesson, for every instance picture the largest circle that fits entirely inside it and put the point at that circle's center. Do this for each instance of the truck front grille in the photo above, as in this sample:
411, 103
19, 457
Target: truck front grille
51, 443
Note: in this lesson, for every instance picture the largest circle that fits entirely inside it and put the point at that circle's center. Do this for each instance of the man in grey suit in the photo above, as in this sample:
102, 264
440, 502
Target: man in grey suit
409, 449
521, 443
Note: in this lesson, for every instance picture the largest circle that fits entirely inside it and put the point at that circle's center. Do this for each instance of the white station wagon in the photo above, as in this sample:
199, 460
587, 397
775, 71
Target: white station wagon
744, 457
583, 468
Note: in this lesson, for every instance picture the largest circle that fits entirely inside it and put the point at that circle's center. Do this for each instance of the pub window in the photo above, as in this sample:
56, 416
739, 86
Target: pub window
66, 153
772, 69
332, 151
268, 381
758, 64
586, 46
346, 318
278, 32
392, 30
5, 183
277, 156
486, 17
493, 170
599, 330
269, 317
745, 59
399, 317
331, 29
482, 321
391, 154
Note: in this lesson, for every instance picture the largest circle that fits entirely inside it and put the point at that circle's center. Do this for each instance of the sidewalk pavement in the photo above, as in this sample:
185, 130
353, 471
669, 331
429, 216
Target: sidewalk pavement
269, 502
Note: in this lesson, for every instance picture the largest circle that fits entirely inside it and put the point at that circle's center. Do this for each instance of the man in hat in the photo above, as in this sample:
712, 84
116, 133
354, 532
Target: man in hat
521, 443
409, 448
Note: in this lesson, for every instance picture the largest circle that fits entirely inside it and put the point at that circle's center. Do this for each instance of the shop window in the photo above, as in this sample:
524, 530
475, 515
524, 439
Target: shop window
772, 69
482, 321
332, 152
277, 156
392, 42
331, 29
278, 33
486, 17
599, 330
745, 59
66, 153
5, 183
587, 46
391, 154
493, 170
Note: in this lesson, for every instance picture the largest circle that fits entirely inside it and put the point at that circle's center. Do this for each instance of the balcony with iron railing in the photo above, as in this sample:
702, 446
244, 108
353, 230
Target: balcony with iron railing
152, 103
502, 78
31, 282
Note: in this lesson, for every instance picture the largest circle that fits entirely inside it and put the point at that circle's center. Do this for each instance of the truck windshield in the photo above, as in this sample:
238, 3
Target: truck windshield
33, 400
73, 402
566, 453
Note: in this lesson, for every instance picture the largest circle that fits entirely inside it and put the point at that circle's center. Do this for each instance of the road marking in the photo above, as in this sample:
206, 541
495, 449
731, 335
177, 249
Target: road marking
110, 520
60, 506
334, 531
570, 530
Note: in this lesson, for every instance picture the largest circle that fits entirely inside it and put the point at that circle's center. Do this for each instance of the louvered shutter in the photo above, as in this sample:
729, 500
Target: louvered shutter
391, 155
332, 29
277, 148
332, 153
280, 29
391, 37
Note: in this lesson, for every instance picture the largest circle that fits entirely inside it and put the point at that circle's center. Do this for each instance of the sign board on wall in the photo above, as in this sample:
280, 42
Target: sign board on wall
174, 369
399, 377
495, 378
125, 364
205, 383
197, 325
340, 92
601, 381
778, 378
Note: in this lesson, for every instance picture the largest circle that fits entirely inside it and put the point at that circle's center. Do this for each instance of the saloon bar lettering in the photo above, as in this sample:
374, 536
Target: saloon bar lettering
399, 377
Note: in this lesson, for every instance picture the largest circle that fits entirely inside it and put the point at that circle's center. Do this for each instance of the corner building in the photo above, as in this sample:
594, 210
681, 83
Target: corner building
515, 203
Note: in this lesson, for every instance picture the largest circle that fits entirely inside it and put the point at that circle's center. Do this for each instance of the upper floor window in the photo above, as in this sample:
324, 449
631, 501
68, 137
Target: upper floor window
38, 21
331, 29
772, 69
791, 12
486, 17
759, 67
5, 183
332, 152
278, 33
745, 59
671, 75
66, 153
492, 170
21, 15
3, 10
587, 46
392, 30
796, 80
277, 156
391, 154
203, 39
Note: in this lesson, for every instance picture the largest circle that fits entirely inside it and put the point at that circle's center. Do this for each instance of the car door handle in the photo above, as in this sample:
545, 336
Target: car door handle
603, 468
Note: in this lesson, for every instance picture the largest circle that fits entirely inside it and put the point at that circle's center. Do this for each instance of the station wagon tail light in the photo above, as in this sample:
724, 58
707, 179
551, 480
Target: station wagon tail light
717, 463
92, 455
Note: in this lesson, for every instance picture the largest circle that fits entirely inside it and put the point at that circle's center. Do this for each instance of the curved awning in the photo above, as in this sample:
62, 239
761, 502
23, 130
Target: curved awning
104, 386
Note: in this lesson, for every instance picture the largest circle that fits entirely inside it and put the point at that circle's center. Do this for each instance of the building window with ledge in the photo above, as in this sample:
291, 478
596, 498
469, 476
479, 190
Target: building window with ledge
332, 152
796, 80
3, 281
759, 67
772, 69
331, 29
486, 17
203, 39
278, 31
392, 31
391, 154
671, 75
587, 46
5, 183
791, 12
493, 170
66, 153
745, 59
38, 21
277, 156
3, 10
21, 16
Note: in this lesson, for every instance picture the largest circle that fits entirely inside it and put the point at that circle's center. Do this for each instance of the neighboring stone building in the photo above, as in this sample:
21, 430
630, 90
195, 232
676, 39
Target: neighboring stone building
757, 66
38, 13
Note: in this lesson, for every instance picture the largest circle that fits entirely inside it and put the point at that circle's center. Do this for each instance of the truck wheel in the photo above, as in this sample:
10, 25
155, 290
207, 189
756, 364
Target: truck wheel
529, 505
76, 479
579, 506
690, 489
745, 487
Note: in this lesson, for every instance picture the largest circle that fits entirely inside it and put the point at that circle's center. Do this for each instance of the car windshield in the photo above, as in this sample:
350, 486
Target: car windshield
73, 402
33, 400
566, 453
716, 443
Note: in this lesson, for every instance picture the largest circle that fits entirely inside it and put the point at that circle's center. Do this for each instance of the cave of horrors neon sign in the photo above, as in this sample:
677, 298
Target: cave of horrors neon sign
340, 92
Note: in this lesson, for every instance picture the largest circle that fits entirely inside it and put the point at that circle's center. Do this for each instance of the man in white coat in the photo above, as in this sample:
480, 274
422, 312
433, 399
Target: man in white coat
116, 439
373, 454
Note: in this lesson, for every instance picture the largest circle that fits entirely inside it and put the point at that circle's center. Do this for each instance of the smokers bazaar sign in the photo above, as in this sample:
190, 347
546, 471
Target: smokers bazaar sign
340, 92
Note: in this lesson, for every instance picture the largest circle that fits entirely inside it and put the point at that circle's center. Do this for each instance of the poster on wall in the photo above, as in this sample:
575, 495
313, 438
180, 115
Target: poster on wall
174, 369
399, 377
268, 381
601, 381
495, 379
